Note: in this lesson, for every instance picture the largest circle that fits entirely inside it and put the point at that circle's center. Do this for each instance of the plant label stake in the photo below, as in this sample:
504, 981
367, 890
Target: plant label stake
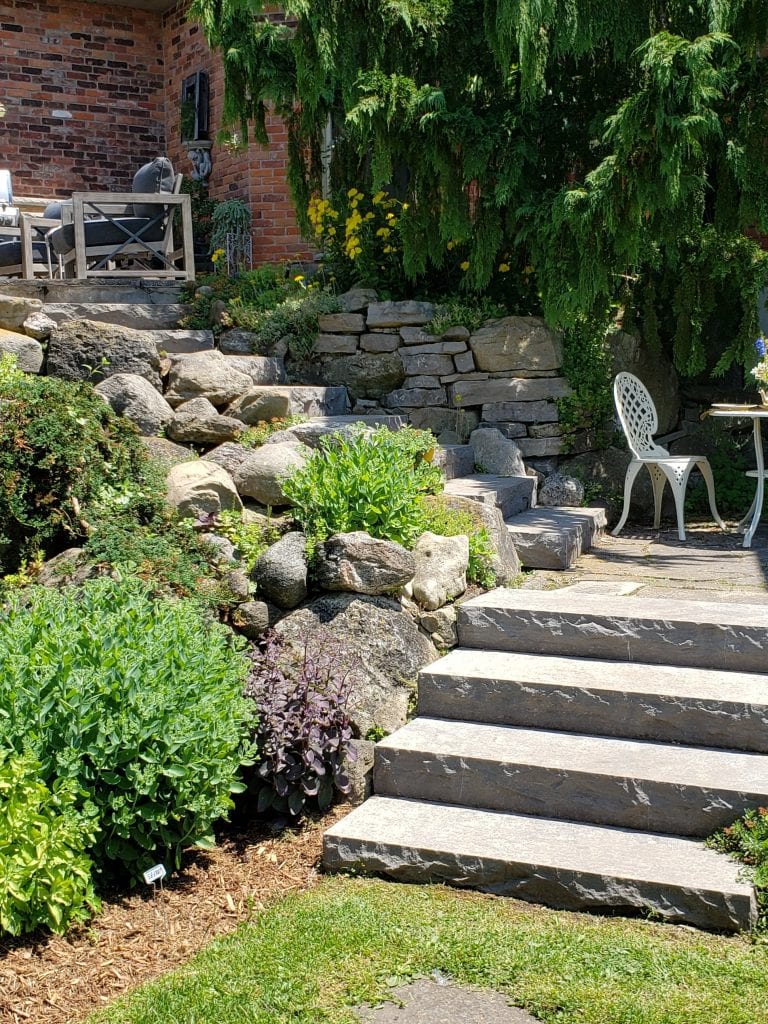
152, 876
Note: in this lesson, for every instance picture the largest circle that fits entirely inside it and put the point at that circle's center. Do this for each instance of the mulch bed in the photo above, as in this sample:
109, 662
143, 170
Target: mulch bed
51, 979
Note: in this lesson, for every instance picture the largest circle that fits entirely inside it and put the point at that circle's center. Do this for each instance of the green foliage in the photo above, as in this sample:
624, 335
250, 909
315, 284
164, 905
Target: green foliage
133, 530
587, 368
592, 150
365, 481
229, 217
257, 435
137, 702
45, 871
250, 539
263, 288
747, 840
60, 443
202, 211
469, 312
294, 318
450, 522
731, 453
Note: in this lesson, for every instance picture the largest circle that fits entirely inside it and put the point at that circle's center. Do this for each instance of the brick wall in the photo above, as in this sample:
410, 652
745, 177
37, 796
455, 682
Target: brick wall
257, 175
99, 63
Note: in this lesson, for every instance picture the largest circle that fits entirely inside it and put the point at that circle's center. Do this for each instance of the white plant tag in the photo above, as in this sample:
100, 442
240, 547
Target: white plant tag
155, 874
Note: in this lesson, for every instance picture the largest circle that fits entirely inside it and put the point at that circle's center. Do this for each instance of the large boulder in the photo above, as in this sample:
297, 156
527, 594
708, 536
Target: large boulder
517, 343
201, 488
14, 310
655, 370
39, 326
263, 471
366, 374
261, 369
166, 452
28, 352
559, 490
441, 569
198, 422
363, 564
495, 453
89, 350
281, 572
380, 645
408, 313
208, 375
505, 561
261, 404
136, 399
228, 455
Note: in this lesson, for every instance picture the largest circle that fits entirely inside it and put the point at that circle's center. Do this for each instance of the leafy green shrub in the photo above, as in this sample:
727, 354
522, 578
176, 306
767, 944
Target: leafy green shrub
587, 368
137, 701
450, 522
747, 841
257, 435
262, 288
250, 539
294, 318
365, 481
731, 453
45, 871
303, 733
60, 443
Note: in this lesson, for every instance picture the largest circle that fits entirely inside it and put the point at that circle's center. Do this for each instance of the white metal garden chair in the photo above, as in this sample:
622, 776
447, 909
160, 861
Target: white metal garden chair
637, 415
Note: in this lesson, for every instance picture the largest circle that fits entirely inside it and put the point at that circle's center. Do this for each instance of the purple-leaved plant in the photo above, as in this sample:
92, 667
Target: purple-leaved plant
303, 733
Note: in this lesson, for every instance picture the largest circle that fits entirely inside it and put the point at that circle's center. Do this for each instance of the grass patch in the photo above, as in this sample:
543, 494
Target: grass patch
314, 955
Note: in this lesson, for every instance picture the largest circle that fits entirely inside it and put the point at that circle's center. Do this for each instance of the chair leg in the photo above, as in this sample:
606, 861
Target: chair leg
632, 470
706, 471
658, 480
678, 485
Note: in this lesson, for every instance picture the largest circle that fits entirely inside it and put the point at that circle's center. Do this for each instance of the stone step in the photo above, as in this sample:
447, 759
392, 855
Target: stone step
139, 315
658, 631
565, 864
553, 538
455, 460
606, 698
656, 787
146, 290
511, 494
321, 426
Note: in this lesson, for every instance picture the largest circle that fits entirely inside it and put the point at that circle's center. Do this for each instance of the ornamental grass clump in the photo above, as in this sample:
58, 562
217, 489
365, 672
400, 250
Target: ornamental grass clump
366, 480
137, 701
303, 736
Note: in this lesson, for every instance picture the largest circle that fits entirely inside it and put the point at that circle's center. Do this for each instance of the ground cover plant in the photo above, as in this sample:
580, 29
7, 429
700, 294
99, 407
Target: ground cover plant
135, 701
312, 957
747, 840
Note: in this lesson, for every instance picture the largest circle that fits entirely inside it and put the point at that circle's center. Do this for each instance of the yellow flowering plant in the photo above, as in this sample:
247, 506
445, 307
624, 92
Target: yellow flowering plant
359, 236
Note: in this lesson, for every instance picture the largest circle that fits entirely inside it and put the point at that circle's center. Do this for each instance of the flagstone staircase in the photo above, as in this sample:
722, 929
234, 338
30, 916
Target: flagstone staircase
573, 751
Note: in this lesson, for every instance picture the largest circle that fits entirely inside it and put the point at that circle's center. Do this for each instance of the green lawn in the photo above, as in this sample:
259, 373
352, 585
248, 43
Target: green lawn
315, 954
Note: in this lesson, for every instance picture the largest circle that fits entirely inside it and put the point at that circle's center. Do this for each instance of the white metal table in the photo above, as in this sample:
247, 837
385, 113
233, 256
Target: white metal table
756, 413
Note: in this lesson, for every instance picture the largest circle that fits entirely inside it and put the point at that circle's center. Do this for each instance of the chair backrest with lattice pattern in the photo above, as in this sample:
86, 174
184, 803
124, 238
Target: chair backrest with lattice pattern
637, 415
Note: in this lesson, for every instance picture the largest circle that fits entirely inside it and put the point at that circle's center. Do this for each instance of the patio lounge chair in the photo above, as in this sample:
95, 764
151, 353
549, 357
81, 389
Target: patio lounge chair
114, 234
639, 421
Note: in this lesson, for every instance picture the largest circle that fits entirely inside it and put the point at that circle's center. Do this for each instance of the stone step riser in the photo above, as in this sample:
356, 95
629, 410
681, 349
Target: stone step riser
622, 630
553, 538
511, 495
562, 864
155, 292
617, 801
138, 315
566, 703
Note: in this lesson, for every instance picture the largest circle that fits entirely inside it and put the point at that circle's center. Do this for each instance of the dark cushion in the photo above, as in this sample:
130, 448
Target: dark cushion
156, 176
52, 211
10, 253
107, 232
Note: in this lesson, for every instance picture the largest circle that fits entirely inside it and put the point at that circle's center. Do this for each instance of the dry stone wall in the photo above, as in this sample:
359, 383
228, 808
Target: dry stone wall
505, 375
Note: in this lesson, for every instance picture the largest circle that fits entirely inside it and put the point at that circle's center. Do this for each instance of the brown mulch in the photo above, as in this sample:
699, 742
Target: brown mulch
51, 979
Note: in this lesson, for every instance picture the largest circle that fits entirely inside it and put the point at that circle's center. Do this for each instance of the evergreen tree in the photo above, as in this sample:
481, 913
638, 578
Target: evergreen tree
611, 154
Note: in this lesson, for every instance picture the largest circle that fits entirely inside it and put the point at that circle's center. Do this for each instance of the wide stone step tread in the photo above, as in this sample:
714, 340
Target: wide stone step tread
563, 863
511, 494
659, 631
553, 538
612, 781
139, 315
610, 698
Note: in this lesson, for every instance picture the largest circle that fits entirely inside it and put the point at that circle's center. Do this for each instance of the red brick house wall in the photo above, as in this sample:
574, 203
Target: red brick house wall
117, 72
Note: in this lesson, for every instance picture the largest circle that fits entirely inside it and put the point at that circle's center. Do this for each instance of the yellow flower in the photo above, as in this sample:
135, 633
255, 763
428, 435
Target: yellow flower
368, 216
450, 245
383, 233
217, 255
528, 269
405, 206
331, 231
465, 265
503, 268
378, 198
352, 193
299, 278
390, 216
